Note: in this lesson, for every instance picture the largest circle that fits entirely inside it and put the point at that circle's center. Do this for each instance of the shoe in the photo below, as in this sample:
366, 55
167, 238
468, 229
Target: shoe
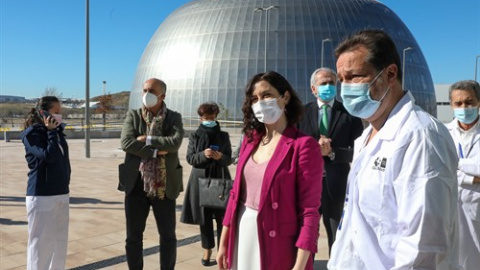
207, 253
205, 262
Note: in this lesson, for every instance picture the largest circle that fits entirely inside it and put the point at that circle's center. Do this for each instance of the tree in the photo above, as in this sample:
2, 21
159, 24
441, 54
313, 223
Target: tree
51, 91
224, 112
104, 105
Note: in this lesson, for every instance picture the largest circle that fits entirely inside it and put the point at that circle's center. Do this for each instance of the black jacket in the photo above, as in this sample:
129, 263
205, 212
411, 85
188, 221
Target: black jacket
343, 129
200, 140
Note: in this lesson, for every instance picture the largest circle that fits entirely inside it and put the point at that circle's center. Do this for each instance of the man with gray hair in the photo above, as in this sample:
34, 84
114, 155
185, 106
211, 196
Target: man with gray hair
335, 130
465, 130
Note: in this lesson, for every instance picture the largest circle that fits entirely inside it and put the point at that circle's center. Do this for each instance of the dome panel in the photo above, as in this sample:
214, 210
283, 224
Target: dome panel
207, 50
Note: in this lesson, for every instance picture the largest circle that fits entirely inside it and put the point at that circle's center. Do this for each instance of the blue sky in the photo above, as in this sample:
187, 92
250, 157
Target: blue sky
42, 42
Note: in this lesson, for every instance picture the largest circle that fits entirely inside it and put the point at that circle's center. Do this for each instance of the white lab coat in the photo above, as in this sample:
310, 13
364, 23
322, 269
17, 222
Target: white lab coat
401, 205
468, 195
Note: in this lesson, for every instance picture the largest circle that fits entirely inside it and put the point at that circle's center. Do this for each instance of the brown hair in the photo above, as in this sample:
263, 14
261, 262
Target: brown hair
208, 108
44, 103
382, 49
293, 109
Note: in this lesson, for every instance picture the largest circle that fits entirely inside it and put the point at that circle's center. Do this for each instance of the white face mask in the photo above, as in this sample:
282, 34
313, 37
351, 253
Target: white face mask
150, 100
267, 111
58, 118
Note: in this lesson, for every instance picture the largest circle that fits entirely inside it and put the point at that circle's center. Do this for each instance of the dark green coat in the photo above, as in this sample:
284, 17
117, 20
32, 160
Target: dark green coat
135, 126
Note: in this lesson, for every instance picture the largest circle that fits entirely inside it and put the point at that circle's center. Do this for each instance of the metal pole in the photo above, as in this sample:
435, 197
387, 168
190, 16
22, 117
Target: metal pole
87, 81
266, 40
266, 9
403, 68
104, 113
323, 41
476, 63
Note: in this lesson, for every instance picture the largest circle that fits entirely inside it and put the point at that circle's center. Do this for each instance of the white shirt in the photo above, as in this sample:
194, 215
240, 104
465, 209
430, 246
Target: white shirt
401, 205
320, 111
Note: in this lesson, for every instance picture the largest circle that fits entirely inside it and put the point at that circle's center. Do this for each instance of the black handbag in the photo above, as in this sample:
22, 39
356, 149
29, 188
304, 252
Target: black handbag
121, 177
214, 192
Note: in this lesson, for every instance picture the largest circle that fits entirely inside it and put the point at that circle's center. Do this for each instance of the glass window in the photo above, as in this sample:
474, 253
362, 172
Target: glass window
216, 46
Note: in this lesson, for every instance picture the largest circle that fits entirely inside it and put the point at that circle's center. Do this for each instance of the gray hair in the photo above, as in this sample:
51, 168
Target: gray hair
326, 69
465, 85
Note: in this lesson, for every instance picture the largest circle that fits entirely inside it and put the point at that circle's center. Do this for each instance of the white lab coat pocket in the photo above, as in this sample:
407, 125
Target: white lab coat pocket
471, 201
371, 195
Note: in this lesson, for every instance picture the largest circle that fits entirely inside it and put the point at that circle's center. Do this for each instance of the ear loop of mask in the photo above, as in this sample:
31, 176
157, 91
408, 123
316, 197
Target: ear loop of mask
374, 80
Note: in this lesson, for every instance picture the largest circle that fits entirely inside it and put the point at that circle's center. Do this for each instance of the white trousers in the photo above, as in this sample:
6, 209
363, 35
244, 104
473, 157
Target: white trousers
247, 250
47, 232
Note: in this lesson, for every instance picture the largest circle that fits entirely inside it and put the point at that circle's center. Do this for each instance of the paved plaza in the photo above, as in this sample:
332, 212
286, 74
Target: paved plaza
97, 221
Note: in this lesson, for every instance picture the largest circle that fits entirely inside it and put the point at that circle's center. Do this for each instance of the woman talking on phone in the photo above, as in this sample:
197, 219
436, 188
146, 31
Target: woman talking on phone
47, 200
209, 152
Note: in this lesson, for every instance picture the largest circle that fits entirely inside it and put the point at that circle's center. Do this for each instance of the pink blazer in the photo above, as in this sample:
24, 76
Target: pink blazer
288, 216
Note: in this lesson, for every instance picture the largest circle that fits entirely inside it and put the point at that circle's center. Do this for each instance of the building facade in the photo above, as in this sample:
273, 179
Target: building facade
5, 98
207, 50
444, 109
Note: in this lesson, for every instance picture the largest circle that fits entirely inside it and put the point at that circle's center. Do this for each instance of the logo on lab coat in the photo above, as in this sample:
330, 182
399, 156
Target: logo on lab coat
380, 164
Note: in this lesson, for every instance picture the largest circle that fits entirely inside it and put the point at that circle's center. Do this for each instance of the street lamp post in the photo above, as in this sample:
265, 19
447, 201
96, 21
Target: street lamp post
266, 9
403, 68
87, 80
104, 100
476, 63
323, 42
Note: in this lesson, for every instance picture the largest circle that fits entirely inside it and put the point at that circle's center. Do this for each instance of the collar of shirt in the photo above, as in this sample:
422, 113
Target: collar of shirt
466, 135
320, 103
320, 110
471, 130
397, 117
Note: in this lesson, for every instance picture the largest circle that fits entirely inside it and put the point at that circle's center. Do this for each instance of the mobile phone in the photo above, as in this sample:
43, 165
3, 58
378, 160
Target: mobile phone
46, 114
43, 113
214, 147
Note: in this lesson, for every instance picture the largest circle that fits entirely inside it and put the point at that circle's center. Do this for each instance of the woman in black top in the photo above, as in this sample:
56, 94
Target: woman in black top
206, 161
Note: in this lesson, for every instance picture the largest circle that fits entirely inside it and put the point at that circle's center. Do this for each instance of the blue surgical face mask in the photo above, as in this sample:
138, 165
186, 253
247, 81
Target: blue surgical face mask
357, 100
326, 92
466, 115
209, 123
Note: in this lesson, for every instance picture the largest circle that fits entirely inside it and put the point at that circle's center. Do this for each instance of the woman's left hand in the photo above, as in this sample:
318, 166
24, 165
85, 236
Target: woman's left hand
301, 261
50, 122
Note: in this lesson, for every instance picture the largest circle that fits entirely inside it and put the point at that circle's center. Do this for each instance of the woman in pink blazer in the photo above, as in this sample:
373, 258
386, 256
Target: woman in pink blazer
272, 219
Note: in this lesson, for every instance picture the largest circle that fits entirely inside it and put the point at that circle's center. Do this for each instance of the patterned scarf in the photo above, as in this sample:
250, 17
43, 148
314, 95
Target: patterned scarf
153, 170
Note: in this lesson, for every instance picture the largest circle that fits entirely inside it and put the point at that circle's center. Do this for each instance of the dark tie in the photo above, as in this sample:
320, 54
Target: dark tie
324, 122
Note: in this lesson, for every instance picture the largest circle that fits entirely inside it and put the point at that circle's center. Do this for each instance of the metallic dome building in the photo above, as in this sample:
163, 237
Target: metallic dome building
207, 50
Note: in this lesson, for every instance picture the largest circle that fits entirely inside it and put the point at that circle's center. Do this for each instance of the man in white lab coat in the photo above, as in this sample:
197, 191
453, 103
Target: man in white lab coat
465, 130
401, 205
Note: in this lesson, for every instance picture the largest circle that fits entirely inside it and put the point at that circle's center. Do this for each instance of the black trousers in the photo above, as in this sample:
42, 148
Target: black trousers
331, 211
206, 230
137, 208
